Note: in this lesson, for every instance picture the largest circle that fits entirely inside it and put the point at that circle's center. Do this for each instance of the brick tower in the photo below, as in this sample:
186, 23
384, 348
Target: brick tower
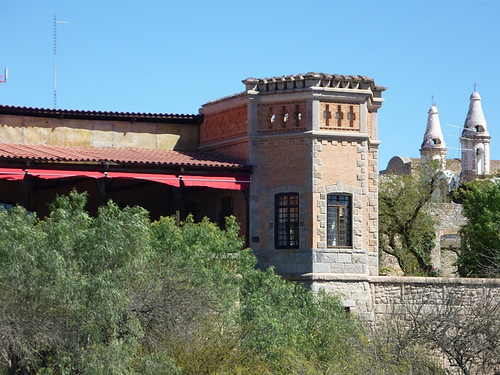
313, 200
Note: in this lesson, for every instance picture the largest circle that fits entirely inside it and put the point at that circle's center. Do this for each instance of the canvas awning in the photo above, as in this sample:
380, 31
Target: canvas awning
12, 174
217, 182
167, 179
231, 182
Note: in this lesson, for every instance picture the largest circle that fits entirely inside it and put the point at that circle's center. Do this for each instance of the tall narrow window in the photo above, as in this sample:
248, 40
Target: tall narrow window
480, 161
287, 220
339, 225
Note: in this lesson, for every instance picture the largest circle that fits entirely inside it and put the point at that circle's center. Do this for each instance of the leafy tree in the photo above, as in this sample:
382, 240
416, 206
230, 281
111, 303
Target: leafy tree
480, 246
117, 294
65, 282
406, 229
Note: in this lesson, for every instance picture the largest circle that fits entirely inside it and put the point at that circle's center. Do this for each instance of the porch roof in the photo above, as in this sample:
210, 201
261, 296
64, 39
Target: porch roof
128, 156
175, 168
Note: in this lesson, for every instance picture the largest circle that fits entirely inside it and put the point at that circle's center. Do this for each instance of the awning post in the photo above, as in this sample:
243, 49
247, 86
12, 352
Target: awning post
177, 205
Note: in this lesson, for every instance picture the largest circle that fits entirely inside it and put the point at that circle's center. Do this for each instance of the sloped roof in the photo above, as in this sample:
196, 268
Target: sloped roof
43, 153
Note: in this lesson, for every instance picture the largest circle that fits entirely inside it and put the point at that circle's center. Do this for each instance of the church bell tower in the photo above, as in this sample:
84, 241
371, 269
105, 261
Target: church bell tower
433, 147
475, 140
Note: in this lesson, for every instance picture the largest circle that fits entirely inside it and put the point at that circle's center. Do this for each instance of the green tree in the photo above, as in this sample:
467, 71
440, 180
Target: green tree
406, 229
65, 282
117, 294
480, 246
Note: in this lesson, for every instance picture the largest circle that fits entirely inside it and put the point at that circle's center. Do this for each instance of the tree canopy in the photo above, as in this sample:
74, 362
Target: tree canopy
480, 246
119, 294
406, 228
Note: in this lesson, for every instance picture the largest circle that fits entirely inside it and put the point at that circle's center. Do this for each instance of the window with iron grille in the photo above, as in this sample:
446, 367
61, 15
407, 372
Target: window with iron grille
286, 220
339, 227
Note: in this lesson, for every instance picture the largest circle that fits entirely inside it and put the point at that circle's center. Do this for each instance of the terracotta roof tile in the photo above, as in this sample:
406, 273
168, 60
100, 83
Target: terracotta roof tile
116, 155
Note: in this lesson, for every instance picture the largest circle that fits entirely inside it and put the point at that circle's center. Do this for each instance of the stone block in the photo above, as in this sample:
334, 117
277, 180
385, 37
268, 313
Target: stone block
355, 268
360, 258
344, 258
322, 268
326, 258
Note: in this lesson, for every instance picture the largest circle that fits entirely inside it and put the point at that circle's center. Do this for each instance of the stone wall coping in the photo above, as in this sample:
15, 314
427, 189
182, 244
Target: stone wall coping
337, 277
433, 280
401, 279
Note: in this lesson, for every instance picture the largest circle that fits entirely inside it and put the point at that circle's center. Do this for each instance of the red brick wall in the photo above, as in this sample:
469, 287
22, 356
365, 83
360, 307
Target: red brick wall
339, 163
239, 150
224, 125
282, 161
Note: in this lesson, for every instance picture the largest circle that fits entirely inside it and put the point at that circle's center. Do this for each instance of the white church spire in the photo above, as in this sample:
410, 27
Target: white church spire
475, 121
433, 137
475, 140
433, 146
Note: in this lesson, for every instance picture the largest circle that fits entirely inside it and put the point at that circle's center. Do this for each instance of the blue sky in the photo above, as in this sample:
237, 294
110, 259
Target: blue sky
172, 56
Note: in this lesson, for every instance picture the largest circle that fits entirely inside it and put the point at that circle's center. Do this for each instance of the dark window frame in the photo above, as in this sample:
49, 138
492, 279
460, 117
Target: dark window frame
286, 220
339, 220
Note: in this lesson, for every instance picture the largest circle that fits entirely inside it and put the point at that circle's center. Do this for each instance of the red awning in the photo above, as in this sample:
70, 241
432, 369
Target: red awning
167, 179
48, 174
237, 182
12, 174
218, 182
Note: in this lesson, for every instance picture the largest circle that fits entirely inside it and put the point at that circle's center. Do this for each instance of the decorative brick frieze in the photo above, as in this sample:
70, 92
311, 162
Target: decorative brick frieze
339, 116
282, 117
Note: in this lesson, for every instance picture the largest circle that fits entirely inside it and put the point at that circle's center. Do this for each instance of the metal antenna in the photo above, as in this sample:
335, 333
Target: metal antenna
3, 77
55, 59
475, 86
432, 100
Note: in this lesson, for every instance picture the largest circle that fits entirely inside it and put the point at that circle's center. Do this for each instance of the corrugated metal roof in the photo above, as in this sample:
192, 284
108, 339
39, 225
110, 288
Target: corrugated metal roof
100, 115
43, 153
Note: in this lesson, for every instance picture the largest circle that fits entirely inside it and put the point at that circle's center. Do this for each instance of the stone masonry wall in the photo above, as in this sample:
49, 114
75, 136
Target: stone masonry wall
378, 298
449, 219
439, 304
394, 294
97, 133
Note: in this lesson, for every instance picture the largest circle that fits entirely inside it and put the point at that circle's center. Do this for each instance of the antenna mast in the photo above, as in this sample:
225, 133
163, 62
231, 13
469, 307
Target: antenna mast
55, 59
3, 77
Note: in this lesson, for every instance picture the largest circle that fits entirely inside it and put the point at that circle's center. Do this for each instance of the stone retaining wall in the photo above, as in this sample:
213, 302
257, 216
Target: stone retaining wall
393, 294
377, 298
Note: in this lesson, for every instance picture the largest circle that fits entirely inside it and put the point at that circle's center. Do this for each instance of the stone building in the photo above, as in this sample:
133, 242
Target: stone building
294, 158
